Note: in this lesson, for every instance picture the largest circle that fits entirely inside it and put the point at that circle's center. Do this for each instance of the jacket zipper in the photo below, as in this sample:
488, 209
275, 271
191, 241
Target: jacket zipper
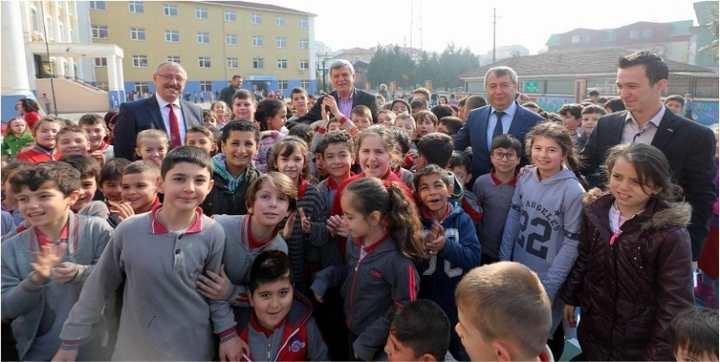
287, 340
613, 248
352, 290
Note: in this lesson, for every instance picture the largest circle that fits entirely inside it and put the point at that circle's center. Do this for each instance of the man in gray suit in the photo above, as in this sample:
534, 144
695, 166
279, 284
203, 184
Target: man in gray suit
165, 111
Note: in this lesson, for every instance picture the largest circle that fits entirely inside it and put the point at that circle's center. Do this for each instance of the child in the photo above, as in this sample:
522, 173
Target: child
111, 179
590, 116
380, 277
202, 137
634, 261
9, 203
337, 153
89, 175
156, 259
361, 117
97, 132
495, 191
675, 103
271, 116
434, 148
406, 122
221, 111
17, 136
152, 145
243, 106
386, 118
419, 332
44, 133
270, 199
140, 186
572, 119
543, 226
402, 164
504, 314
309, 234
461, 166
279, 326
72, 140
695, 335
234, 171
450, 125
426, 122
44, 267
451, 243
299, 101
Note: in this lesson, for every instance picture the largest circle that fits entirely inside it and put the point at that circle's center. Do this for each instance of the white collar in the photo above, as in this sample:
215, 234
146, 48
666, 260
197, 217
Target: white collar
163, 103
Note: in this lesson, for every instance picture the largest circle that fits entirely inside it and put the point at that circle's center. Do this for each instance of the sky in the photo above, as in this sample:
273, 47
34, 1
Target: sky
342, 24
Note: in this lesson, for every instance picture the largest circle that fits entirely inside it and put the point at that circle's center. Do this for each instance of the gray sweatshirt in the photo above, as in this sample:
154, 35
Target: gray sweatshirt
495, 198
543, 228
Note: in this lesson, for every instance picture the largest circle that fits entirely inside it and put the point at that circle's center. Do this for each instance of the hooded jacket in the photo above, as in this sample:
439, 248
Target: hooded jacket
630, 291
296, 339
228, 195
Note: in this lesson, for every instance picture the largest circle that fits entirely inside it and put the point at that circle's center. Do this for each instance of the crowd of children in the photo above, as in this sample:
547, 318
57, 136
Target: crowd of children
265, 238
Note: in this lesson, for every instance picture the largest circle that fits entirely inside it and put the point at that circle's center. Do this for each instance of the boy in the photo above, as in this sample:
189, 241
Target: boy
450, 125
45, 266
386, 117
337, 153
279, 326
111, 179
152, 145
695, 335
361, 117
419, 332
44, 133
451, 243
140, 186
97, 132
234, 171
202, 137
504, 314
572, 118
299, 102
156, 258
89, 175
590, 116
461, 167
417, 105
406, 122
675, 103
426, 122
72, 140
494, 192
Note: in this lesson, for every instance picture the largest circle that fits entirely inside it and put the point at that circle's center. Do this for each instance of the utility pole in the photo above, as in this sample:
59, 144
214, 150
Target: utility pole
494, 21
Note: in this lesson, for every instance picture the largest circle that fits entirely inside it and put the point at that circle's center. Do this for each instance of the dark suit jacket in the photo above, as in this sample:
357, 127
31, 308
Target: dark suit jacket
690, 149
474, 134
359, 97
134, 117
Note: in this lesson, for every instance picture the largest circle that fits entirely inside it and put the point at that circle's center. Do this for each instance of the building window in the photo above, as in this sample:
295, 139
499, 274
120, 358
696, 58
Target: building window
99, 31
257, 41
137, 33
201, 13
230, 16
232, 63
279, 21
282, 84
170, 10
100, 62
305, 84
303, 23
282, 63
575, 39
172, 36
256, 19
304, 44
281, 42
140, 61
141, 88
258, 63
173, 58
136, 7
203, 37
204, 62
205, 86
304, 65
231, 39
97, 5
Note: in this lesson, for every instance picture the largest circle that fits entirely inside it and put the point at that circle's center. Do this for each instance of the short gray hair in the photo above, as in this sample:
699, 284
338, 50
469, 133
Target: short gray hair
342, 63
175, 64
501, 71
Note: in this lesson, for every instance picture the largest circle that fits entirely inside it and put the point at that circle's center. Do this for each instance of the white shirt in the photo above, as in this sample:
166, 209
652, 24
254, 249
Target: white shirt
632, 132
506, 120
165, 112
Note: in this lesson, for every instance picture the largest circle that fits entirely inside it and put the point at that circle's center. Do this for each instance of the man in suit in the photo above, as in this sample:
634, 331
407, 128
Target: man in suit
502, 115
164, 111
690, 147
227, 93
342, 76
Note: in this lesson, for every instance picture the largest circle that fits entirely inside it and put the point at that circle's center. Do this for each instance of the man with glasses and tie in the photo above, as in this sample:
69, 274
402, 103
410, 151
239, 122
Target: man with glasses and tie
642, 77
502, 115
165, 111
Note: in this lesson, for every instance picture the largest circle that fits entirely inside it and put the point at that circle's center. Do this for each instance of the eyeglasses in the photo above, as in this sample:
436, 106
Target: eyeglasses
170, 77
505, 155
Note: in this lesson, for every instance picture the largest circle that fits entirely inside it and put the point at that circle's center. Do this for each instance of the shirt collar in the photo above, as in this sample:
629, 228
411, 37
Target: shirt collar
45, 240
157, 228
370, 248
252, 243
163, 103
509, 111
350, 97
497, 181
655, 120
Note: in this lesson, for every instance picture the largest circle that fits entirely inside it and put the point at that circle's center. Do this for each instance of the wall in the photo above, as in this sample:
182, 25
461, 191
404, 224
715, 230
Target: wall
73, 97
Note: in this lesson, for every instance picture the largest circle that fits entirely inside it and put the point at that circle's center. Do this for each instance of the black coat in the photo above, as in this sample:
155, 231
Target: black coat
688, 146
359, 97
145, 114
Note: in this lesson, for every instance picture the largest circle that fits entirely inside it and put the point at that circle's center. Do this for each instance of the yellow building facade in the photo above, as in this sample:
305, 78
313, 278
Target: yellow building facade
270, 46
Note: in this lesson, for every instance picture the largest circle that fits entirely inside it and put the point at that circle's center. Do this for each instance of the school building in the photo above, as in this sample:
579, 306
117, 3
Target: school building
270, 46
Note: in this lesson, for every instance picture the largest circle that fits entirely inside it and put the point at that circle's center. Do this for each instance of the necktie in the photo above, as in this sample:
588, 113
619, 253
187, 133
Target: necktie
174, 128
498, 125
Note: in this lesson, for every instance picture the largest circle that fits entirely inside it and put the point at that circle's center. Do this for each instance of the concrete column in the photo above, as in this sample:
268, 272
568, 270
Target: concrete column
15, 82
116, 90
59, 67
68, 24
55, 26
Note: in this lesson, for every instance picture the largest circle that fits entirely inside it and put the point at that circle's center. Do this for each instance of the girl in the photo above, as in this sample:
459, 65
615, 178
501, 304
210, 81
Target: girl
309, 234
633, 272
270, 117
17, 136
221, 112
270, 198
380, 276
543, 225
29, 110
44, 133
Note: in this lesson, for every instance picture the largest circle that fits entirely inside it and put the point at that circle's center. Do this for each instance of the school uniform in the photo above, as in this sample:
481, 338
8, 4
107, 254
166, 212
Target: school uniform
228, 193
95, 208
39, 311
36, 154
163, 316
496, 198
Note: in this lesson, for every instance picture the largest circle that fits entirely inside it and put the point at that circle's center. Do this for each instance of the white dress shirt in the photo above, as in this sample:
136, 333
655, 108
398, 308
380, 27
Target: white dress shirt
165, 112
